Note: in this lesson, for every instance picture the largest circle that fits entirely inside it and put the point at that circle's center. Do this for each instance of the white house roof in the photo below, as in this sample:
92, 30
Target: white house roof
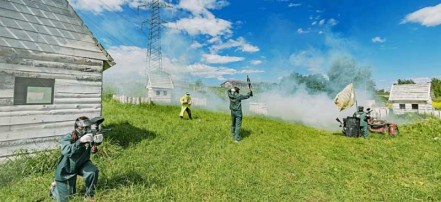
47, 27
159, 79
410, 92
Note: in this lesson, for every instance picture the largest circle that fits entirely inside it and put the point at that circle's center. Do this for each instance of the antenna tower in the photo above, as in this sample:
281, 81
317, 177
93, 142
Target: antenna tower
154, 54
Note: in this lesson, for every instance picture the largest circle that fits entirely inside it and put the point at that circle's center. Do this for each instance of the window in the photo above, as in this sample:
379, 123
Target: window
33, 91
165, 92
402, 106
158, 92
414, 106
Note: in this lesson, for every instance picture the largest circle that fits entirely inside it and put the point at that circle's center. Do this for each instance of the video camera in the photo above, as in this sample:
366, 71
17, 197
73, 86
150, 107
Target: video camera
96, 130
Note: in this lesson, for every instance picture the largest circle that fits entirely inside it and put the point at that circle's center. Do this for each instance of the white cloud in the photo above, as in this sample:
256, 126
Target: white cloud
129, 59
202, 25
256, 62
332, 22
206, 71
294, 5
301, 31
98, 6
219, 59
195, 45
428, 16
240, 44
251, 71
322, 22
378, 39
197, 7
214, 40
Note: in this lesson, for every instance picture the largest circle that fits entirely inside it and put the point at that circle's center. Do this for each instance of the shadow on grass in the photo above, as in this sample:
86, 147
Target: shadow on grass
125, 134
244, 133
129, 178
338, 134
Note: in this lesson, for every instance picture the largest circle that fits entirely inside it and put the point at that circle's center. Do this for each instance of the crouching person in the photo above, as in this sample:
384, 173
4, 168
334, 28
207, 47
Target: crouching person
75, 160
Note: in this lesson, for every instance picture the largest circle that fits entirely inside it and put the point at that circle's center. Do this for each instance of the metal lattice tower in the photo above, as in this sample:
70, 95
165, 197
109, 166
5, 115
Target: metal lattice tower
154, 54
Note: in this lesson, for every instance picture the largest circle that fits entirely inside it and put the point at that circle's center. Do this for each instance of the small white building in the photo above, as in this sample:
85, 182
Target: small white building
51, 70
411, 98
234, 83
159, 86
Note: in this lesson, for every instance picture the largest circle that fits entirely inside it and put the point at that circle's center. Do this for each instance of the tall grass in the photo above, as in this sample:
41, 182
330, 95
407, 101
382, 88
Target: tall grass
152, 155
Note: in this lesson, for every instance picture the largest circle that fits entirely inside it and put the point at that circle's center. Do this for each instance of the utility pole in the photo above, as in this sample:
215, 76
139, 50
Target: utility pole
159, 84
154, 53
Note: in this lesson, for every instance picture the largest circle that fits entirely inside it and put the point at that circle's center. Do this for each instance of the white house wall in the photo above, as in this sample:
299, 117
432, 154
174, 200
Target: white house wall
422, 108
76, 93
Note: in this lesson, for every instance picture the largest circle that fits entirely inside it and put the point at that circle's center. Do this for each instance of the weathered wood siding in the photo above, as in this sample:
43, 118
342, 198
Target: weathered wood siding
422, 107
46, 39
76, 93
165, 94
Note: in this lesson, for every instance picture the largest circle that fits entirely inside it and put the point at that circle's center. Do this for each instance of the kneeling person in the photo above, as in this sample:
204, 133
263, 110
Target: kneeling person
75, 160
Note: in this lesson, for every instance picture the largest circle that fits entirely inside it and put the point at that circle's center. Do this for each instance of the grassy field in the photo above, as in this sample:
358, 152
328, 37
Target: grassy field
152, 155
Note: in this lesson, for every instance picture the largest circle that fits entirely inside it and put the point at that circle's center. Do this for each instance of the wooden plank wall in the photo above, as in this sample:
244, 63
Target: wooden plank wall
77, 92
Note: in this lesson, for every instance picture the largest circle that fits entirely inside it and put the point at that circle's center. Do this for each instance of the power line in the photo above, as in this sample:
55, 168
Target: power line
107, 34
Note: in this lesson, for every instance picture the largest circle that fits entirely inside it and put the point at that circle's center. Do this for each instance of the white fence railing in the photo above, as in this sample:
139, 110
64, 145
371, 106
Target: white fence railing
259, 108
132, 100
141, 100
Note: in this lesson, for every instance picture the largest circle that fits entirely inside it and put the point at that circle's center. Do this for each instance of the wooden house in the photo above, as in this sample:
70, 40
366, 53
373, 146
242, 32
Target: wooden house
51, 70
411, 98
159, 86
234, 83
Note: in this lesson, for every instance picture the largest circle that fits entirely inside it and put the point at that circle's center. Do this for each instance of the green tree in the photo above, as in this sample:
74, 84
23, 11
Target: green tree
436, 87
404, 81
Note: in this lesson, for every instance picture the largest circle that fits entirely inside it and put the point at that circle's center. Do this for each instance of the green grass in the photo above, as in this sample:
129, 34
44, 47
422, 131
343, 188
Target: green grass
151, 155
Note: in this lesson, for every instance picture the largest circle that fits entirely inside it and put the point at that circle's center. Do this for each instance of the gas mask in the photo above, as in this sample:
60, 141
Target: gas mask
82, 126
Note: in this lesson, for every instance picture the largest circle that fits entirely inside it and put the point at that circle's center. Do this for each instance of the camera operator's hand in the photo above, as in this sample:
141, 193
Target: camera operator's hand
86, 138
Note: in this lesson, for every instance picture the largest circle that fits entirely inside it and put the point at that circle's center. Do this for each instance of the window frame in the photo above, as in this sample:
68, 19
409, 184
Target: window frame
415, 105
21, 87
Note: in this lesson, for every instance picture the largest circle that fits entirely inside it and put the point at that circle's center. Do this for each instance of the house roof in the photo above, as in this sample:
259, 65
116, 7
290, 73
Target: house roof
159, 79
410, 92
48, 27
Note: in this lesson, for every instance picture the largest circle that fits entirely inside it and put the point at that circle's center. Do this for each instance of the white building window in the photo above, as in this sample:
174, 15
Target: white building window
33, 91
165, 92
158, 92
414, 106
402, 106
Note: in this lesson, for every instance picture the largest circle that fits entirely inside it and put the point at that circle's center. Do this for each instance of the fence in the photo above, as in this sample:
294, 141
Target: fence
258, 108
435, 113
141, 100
383, 112
132, 100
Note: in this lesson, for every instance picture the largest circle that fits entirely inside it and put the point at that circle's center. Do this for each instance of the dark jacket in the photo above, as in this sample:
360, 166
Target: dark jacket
235, 101
73, 156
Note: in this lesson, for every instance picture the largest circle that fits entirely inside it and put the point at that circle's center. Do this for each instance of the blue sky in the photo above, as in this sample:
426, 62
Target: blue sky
215, 40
